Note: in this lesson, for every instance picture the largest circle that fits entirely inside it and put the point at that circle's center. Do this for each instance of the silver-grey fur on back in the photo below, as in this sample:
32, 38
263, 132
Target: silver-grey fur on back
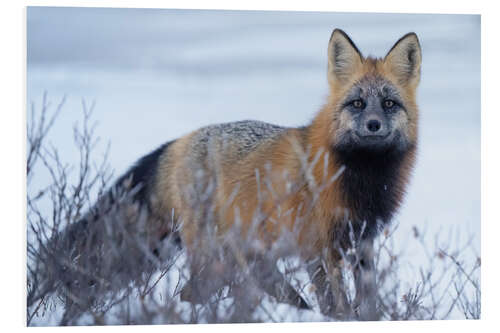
240, 137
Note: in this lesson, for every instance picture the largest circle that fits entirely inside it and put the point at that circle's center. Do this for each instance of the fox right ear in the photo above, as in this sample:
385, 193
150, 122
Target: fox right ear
344, 57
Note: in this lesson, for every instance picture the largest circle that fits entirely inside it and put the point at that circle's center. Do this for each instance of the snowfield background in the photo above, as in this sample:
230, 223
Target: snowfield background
158, 74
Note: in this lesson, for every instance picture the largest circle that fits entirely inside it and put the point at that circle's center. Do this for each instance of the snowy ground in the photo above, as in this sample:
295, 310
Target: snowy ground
158, 74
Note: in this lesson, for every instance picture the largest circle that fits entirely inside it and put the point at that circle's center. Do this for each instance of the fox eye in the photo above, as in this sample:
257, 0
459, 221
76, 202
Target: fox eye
388, 103
358, 104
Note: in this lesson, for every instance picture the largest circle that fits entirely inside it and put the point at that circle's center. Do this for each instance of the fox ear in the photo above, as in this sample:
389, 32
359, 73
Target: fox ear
344, 57
404, 59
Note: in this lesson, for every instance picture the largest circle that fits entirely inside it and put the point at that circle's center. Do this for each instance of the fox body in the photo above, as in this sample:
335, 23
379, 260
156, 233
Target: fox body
345, 171
361, 144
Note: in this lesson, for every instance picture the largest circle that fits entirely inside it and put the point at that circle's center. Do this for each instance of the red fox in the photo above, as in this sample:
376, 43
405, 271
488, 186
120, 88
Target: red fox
344, 173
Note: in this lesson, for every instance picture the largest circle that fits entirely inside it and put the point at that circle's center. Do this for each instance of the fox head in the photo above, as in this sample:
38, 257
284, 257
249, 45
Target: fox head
372, 103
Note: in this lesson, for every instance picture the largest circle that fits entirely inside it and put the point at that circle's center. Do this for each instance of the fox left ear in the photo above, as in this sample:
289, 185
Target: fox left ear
404, 59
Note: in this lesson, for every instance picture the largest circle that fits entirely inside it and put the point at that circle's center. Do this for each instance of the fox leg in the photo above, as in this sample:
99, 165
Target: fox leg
198, 291
272, 281
330, 289
205, 280
365, 281
320, 282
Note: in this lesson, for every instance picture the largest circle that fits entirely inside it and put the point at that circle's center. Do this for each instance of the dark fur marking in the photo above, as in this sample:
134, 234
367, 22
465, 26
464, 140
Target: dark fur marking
142, 174
372, 189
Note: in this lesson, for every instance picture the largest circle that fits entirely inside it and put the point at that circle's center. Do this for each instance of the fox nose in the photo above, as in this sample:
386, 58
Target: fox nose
373, 125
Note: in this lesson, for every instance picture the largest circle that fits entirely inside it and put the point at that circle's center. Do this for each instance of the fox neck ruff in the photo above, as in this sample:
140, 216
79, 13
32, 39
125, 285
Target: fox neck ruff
372, 186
